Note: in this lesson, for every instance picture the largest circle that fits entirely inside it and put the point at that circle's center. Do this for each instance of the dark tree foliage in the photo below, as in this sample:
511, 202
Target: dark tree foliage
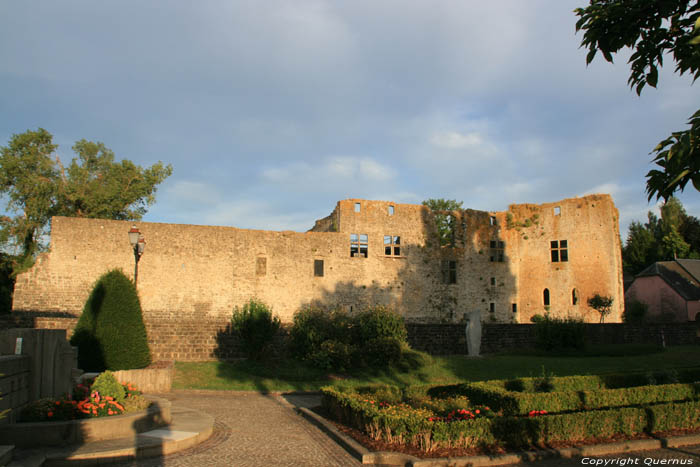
110, 334
674, 235
653, 30
444, 220
601, 304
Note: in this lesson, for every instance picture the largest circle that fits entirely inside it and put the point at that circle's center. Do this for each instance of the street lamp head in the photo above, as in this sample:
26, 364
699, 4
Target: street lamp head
134, 236
141, 244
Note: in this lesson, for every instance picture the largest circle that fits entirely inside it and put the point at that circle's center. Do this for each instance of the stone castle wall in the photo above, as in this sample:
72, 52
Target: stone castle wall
194, 274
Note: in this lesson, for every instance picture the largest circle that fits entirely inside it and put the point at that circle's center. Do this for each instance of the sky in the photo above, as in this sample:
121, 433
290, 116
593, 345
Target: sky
270, 112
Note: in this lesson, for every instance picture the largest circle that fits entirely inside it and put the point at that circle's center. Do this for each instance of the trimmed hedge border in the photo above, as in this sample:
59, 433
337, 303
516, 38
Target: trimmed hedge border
413, 427
521, 403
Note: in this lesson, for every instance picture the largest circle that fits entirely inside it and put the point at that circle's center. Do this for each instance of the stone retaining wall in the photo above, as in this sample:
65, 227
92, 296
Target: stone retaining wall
209, 339
14, 386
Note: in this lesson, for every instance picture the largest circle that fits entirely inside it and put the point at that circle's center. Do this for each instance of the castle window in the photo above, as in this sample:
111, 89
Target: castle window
574, 297
515, 308
318, 268
358, 206
493, 281
391, 210
260, 266
492, 307
497, 249
560, 251
392, 245
449, 272
545, 296
492, 220
358, 245
557, 211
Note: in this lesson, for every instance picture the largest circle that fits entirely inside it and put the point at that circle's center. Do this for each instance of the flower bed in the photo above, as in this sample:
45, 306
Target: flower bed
61, 433
453, 421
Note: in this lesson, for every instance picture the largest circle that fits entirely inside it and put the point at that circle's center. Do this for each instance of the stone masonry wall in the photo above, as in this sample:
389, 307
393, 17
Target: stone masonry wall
193, 274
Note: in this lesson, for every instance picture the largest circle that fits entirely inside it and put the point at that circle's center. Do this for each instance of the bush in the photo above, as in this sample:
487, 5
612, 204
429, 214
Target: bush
107, 385
110, 333
559, 334
380, 322
256, 325
313, 326
635, 312
335, 340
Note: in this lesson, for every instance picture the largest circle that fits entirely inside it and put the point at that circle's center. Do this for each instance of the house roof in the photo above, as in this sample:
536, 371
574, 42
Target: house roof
681, 275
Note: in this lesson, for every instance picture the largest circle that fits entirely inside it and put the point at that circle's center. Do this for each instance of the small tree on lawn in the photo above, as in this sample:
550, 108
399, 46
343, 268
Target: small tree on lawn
602, 305
110, 334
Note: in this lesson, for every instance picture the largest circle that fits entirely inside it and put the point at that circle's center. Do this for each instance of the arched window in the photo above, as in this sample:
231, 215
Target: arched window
546, 297
574, 297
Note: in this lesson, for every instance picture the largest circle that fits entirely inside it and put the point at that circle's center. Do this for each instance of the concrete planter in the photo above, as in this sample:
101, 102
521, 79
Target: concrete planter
27, 435
148, 380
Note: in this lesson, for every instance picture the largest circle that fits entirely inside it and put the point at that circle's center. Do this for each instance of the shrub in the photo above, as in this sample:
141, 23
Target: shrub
256, 325
635, 312
335, 340
110, 333
556, 333
107, 385
380, 322
313, 325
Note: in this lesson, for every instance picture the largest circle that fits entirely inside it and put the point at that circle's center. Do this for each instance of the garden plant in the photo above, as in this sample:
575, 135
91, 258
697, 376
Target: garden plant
256, 325
110, 334
516, 414
103, 397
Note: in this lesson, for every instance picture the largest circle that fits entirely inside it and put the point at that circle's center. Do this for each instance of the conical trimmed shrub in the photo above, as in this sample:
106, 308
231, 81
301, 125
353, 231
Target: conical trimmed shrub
110, 334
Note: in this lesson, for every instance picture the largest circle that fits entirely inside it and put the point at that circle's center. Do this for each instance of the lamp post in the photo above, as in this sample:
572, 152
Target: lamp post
138, 244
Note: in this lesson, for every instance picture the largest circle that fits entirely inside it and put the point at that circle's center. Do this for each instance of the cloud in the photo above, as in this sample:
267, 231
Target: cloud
330, 172
455, 140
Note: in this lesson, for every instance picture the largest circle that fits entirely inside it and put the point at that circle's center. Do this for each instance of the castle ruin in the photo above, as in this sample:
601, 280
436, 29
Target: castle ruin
530, 259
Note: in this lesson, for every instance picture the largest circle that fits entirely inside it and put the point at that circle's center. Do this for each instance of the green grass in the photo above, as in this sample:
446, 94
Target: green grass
289, 375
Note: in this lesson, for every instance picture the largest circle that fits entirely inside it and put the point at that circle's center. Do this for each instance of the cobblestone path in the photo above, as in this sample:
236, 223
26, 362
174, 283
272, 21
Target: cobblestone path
252, 430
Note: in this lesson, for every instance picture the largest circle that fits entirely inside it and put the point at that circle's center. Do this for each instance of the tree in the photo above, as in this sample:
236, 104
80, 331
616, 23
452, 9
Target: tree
110, 334
653, 29
38, 186
674, 235
444, 220
601, 304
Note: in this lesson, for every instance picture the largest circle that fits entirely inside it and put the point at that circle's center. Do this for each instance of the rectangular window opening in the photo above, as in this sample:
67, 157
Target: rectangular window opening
493, 281
449, 271
492, 307
559, 251
318, 268
557, 211
358, 245
260, 266
497, 251
357, 207
391, 210
392, 245
515, 308
492, 220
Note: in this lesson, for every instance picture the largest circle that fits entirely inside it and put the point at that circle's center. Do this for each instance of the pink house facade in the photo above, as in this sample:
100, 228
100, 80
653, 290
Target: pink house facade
671, 290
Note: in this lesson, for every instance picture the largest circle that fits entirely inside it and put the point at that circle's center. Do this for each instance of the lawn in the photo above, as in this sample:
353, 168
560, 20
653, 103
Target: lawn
290, 375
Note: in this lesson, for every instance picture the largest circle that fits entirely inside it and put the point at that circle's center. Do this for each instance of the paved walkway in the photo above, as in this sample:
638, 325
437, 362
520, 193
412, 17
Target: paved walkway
253, 430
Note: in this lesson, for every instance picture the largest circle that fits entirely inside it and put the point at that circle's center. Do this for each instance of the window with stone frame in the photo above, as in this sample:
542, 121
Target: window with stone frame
358, 245
449, 271
392, 245
560, 251
318, 268
497, 251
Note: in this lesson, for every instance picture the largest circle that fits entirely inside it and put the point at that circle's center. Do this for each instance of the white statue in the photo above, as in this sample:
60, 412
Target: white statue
473, 333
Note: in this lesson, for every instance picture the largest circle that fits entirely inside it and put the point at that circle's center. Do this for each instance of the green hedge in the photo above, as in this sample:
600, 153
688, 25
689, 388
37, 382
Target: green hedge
412, 426
521, 403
